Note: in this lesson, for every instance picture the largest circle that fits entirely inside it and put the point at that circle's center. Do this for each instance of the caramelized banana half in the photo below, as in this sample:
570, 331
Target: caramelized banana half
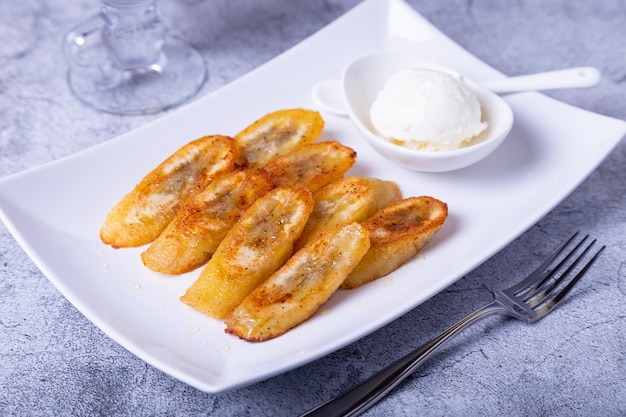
397, 233
351, 199
192, 237
259, 243
314, 165
145, 212
299, 288
277, 133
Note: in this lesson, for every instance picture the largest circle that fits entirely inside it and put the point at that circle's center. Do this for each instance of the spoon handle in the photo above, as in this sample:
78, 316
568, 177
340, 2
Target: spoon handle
567, 78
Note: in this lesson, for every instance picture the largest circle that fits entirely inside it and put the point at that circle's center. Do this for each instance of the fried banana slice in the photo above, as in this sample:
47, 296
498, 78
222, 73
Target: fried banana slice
397, 233
277, 133
351, 199
144, 212
314, 165
191, 238
299, 288
259, 243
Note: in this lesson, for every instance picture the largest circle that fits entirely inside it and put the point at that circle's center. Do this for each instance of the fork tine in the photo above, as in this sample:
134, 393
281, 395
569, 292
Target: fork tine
535, 276
537, 298
528, 293
548, 299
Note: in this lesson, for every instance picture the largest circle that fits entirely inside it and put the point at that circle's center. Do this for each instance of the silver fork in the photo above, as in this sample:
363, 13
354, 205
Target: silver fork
529, 300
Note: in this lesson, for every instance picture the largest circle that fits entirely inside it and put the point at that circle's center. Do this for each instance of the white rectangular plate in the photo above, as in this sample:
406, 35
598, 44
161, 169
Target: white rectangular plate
55, 211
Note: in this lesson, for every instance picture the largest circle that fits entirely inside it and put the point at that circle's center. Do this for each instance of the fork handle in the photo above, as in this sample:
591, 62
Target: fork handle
361, 397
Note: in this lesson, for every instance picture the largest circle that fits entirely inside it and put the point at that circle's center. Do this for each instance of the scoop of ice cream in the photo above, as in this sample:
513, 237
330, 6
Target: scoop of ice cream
427, 110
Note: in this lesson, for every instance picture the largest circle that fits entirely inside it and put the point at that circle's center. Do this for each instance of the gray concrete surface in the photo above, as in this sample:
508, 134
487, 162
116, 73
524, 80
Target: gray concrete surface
53, 361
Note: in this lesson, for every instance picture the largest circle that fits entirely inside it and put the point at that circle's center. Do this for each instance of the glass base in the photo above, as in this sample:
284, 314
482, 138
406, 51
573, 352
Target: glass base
177, 77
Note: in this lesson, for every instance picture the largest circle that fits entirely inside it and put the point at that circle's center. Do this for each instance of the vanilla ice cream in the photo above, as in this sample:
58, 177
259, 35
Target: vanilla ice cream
427, 110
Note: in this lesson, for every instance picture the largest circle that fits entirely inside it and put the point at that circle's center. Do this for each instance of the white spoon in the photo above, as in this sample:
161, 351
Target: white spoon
328, 94
365, 76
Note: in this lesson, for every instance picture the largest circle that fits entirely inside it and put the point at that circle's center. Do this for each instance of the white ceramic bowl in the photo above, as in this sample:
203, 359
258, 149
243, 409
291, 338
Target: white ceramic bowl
365, 76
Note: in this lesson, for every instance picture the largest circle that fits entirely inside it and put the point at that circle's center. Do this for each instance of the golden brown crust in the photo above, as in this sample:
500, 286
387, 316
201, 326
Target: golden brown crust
347, 200
257, 245
313, 165
203, 221
299, 288
143, 213
397, 233
277, 133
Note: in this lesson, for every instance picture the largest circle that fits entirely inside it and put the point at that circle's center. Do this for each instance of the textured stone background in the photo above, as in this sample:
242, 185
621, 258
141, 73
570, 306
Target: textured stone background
53, 361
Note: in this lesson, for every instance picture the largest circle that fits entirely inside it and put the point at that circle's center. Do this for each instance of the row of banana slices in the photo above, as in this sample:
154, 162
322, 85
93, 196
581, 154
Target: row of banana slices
273, 220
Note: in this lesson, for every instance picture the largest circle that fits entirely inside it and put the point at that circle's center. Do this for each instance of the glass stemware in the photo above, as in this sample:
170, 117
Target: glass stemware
123, 61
